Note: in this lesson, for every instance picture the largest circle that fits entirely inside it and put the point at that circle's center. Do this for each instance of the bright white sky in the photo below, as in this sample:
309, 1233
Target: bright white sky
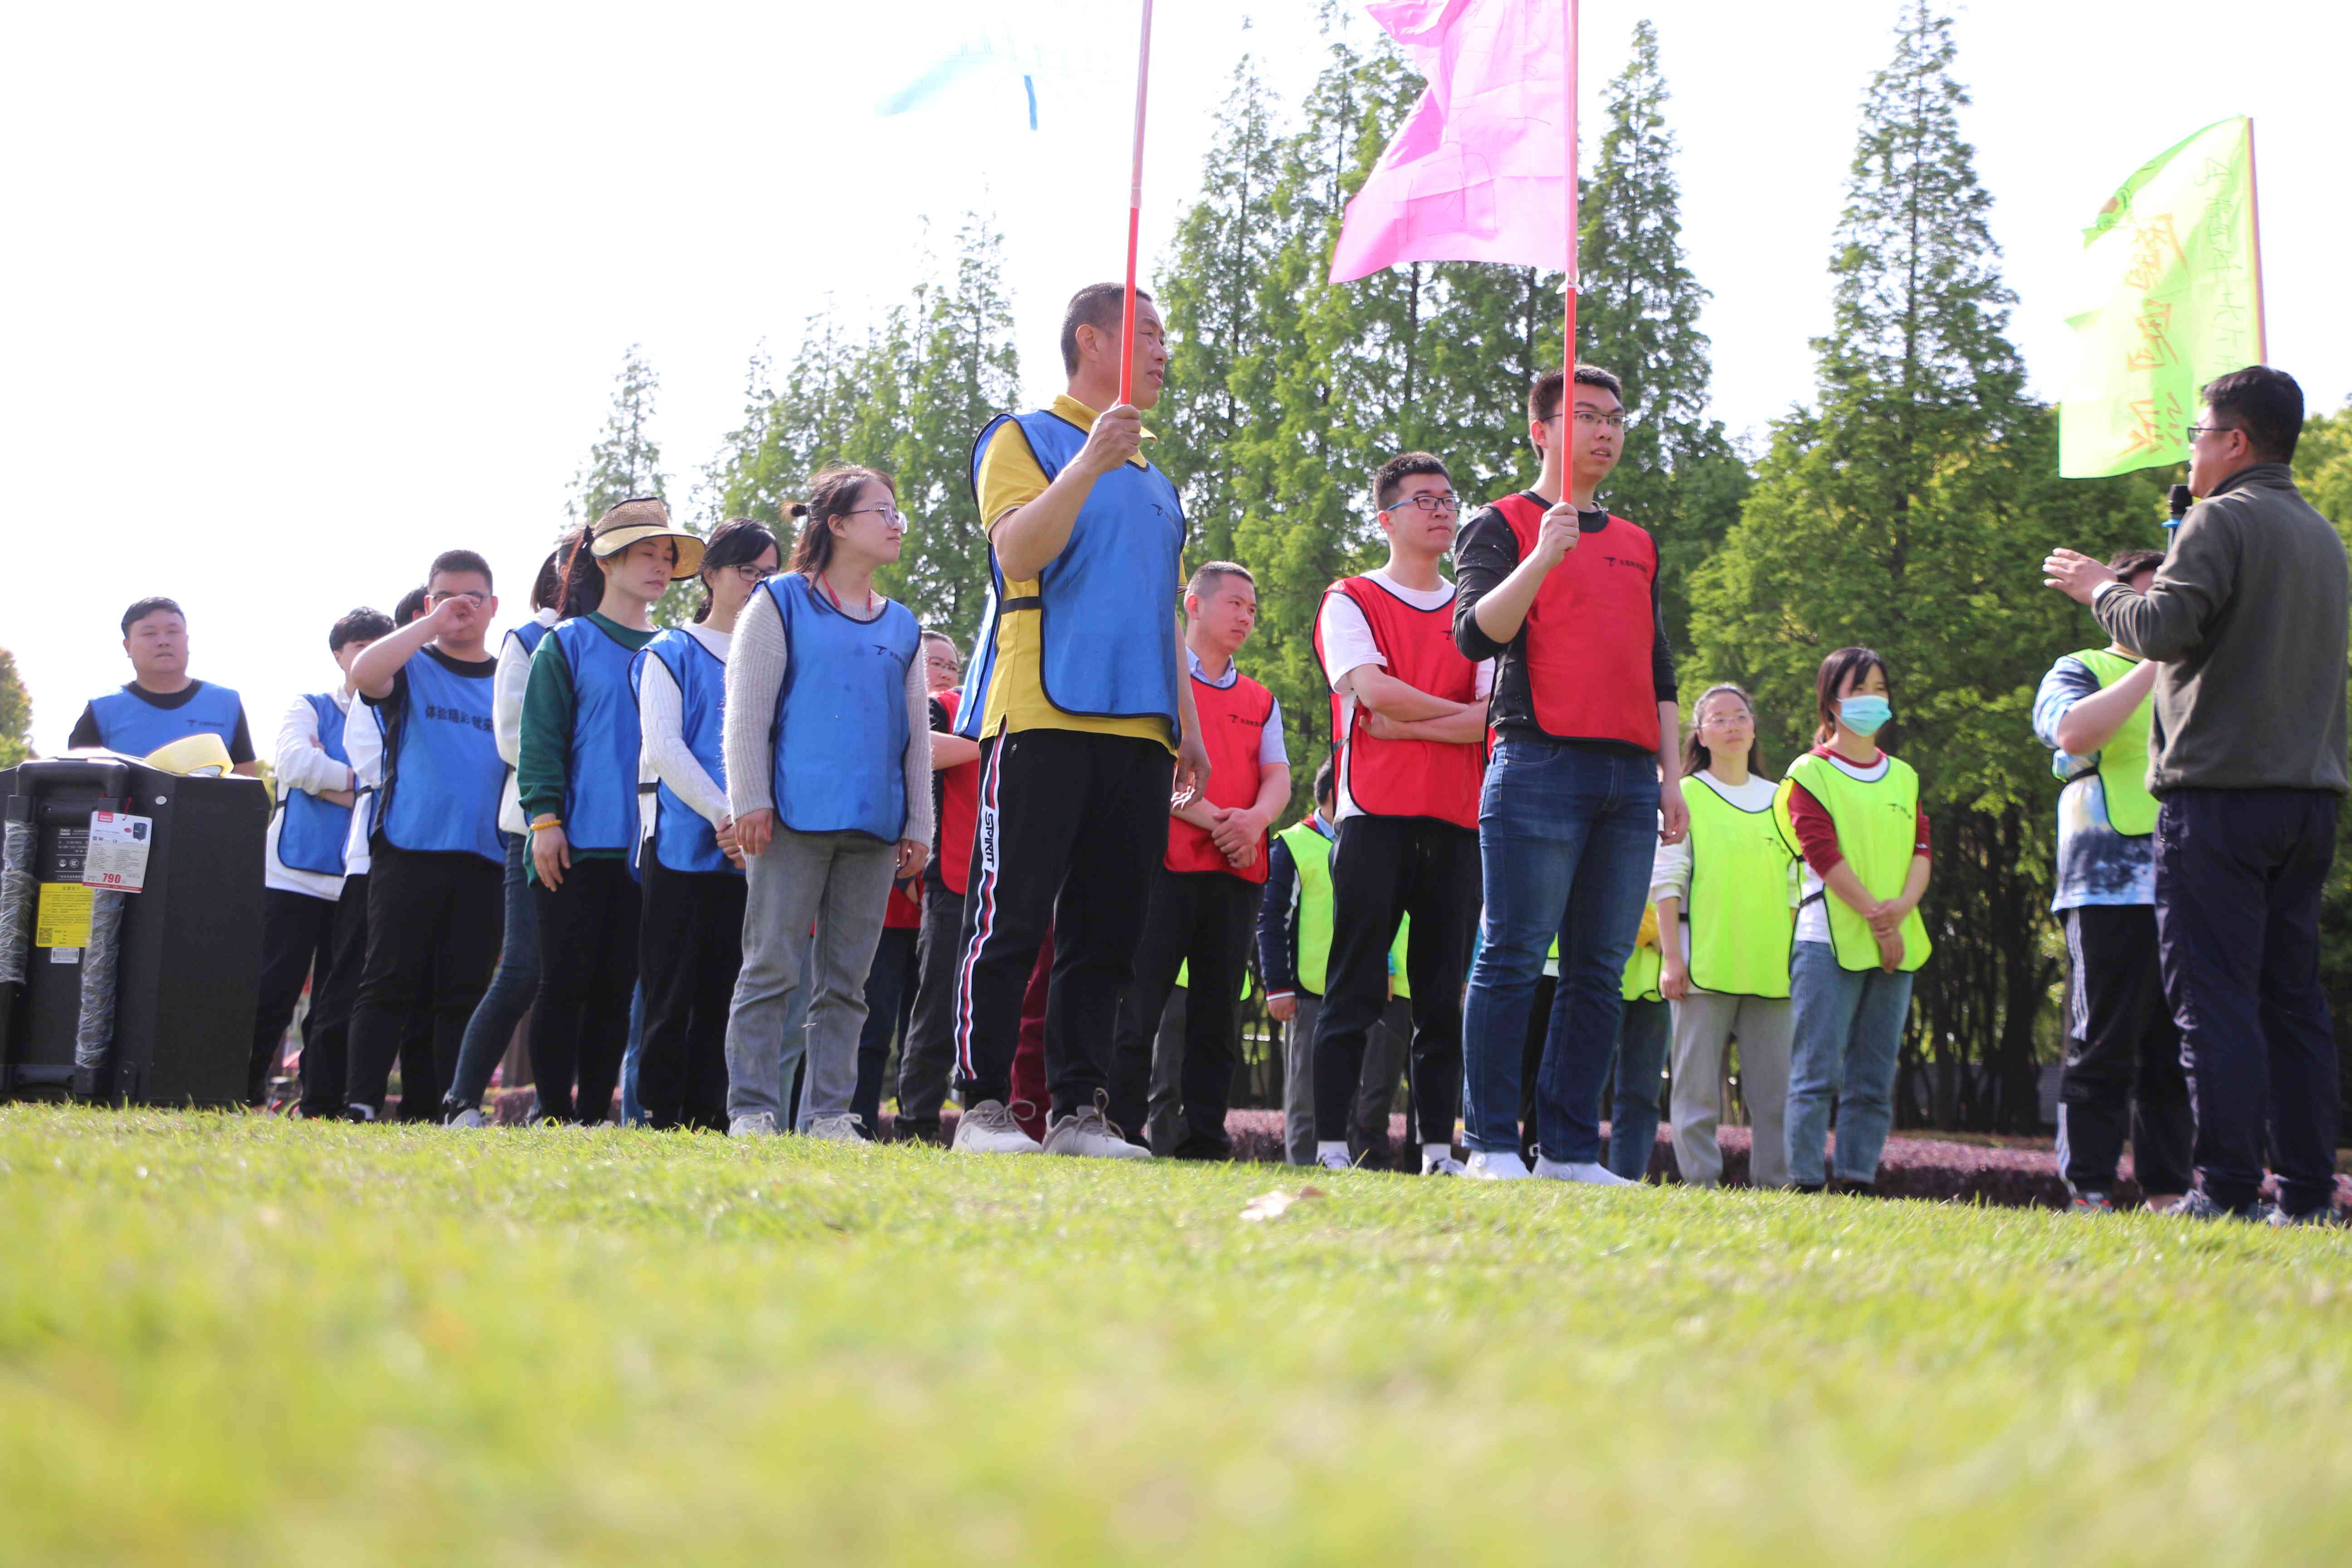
299, 295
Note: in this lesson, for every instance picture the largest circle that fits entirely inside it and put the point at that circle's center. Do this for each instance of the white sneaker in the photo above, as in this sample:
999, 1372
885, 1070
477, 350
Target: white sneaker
841, 1128
759, 1124
1086, 1131
1495, 1165
1442, 1165
988, 1128
1334, 1161
470, 1117
1589, 1171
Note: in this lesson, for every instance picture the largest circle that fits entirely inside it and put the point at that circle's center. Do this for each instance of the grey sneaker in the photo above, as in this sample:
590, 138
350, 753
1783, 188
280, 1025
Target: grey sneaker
2090, 1203
1086, 1131
1334, 1161
2326, 1215
989, 1128
471, 1116
841, 1128
2197, 1205
1442, 1165
759, 1124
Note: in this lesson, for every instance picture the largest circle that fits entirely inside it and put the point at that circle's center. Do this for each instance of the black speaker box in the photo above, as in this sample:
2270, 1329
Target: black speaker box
190, 943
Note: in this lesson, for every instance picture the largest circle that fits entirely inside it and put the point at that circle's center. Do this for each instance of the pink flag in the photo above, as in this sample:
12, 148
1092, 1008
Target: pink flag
1484, 169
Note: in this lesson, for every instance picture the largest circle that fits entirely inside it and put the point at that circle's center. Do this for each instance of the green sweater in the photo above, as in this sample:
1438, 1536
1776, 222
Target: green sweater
543, 759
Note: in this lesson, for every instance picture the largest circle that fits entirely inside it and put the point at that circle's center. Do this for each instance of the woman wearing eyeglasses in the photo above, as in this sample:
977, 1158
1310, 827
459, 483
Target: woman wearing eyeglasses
578, 775
828, 764
691, 942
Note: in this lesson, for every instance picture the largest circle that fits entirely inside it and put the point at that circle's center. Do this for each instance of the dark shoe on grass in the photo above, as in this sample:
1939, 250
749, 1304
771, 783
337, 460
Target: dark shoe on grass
2090, 1203
2326, 1215
2197, 1205
1846, 1187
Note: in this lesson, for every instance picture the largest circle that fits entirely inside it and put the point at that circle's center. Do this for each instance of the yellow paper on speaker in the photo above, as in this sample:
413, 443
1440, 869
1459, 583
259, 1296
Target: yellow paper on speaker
62, 917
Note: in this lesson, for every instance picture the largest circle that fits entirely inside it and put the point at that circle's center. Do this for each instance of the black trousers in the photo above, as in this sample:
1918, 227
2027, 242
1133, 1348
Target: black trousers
689, 947
433, 921
1383, 869
1071, 826
889, 997
926, 1047
298, 944
587, 968
2238, 879
326, 1034
2123, 1071
1205, 920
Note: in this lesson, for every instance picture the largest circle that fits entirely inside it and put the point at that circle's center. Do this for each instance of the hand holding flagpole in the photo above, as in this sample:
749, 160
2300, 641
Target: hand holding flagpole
1135, 216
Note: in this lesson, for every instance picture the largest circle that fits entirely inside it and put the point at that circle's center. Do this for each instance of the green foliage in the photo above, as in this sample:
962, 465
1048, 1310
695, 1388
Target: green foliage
15, 713
1909, 511
625, 461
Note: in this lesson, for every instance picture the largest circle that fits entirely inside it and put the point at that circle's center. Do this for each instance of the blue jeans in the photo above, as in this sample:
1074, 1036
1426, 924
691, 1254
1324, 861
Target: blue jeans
1641, 1078
1565, 836
511, 990
1848, 1032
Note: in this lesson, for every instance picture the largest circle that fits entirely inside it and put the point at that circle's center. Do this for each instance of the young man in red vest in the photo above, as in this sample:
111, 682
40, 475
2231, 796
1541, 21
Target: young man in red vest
1583, 782
1409, 728
1203, 905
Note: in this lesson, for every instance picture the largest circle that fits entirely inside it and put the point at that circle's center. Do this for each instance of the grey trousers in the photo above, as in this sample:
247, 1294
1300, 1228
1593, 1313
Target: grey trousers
841, 881
1384, 1053
1704, 1025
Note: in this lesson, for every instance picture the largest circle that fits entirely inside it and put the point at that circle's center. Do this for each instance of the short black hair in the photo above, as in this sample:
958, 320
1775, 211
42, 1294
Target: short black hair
411, 606
460, 560
1544, 396
141, 608
1390, 476
2266, 404
2130, 563
1097, 305
1324, 783
362, 625
1204, 580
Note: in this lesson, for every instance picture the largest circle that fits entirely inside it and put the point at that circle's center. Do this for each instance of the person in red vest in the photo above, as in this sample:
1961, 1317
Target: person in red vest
1584, 782
1409, 728
1202, 903
927, 1050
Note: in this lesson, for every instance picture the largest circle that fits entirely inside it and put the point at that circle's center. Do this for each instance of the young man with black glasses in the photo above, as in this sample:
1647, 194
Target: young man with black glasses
1408, 730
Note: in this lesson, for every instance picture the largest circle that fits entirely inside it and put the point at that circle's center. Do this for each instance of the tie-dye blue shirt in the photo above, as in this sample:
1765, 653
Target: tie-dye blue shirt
2096, 865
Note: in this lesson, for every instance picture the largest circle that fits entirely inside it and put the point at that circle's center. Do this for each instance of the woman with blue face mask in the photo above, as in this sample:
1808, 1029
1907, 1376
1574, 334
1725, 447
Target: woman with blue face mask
1853, 813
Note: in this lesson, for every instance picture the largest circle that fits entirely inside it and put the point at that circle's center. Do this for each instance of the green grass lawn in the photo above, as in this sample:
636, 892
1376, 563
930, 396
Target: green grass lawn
237, 1341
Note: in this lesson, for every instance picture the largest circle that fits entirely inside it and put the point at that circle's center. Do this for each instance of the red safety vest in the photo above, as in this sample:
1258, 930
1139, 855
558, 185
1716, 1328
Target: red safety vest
1233, 720
959, 810
1408, 778
1589, 634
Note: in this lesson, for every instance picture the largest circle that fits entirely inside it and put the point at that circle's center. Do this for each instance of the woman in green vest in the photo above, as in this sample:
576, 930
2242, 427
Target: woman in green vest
1729, 892
1853, 813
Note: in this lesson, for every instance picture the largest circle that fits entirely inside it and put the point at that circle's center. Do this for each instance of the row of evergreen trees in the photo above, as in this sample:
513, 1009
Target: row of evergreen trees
1905, 506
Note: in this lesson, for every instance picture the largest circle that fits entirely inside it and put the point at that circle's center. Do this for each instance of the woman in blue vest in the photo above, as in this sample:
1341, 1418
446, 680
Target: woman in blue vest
828, 767
578, 780
690, 945
515, 986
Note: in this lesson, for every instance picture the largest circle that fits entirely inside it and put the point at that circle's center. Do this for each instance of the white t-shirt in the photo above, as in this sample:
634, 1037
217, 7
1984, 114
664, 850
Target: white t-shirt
364, 743
1813, 914
1669, 868
1349, 645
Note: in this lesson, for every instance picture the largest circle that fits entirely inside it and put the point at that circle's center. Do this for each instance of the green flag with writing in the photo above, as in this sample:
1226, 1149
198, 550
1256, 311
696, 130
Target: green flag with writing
2169, 297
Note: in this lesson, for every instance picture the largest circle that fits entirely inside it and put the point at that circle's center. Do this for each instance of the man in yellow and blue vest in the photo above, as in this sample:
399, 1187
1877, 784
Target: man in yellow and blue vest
2123, 1050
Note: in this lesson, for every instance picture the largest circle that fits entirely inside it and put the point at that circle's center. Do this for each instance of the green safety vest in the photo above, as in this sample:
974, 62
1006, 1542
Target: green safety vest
1742, 926
1644, 968
1877, 829
1311, 853
2123, 760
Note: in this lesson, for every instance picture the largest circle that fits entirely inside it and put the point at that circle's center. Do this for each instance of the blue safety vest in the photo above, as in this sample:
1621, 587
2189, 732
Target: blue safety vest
129, 724
1106, 604
600, 784
841, 719
528, 634
442, 771
311, 837
683, 837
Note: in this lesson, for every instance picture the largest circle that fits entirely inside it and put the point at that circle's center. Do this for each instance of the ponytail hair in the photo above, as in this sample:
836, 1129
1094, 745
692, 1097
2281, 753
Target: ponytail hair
832, 494
738, 542
583, 582
547, 588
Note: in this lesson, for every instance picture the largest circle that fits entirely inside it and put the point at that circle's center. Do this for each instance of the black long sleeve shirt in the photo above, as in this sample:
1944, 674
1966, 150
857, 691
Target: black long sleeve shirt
1277, 922
1488, 552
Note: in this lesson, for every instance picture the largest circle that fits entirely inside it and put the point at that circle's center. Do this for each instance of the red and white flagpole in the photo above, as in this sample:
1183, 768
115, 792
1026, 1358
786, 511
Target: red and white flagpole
1135, 215
1567, 338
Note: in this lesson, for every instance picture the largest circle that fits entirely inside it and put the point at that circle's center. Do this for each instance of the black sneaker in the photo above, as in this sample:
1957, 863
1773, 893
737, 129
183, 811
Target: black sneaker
2090, 1203
2197, 1205
359, 1113
2326, 1215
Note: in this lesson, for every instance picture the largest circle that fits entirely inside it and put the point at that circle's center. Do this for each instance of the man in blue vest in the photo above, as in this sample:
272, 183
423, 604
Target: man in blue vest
161, 704
1086, 705
434, 910
302, 872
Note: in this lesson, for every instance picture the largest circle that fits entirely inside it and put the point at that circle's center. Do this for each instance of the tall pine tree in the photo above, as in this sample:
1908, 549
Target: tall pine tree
626, 461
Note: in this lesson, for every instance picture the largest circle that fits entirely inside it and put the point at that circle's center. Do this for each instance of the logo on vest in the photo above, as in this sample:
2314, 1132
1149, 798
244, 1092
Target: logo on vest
457, 716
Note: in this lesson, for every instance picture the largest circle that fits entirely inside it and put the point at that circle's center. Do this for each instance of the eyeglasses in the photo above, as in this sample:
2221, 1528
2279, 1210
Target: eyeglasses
1591, 418
890, 515
1436, 505
2197, 430
752, 571
460, 593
